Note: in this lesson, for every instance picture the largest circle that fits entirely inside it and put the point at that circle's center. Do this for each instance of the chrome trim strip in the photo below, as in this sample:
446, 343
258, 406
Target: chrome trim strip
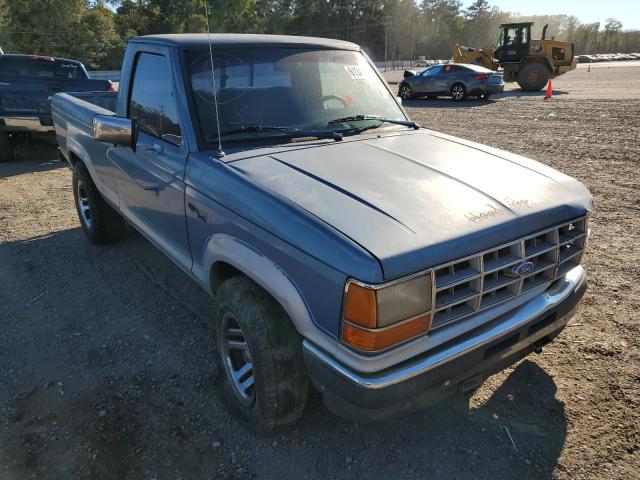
552, 297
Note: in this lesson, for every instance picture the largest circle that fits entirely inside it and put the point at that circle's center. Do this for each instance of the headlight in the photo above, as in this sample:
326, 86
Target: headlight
378, 317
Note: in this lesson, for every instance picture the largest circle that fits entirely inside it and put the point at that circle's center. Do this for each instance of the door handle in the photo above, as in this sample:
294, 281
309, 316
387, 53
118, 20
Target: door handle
154, 148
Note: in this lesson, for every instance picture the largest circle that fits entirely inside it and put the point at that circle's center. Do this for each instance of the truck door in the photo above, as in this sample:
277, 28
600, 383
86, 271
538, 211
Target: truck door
150, 180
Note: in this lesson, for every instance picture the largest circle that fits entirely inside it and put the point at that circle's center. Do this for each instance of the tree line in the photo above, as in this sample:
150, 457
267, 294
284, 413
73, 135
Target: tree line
96, 31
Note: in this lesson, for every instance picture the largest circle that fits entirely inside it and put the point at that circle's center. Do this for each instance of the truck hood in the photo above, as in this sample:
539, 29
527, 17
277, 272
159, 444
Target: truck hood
416, 200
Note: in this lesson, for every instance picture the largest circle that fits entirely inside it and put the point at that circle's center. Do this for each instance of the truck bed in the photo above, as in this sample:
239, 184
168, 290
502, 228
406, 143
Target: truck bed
83, 106
73, 116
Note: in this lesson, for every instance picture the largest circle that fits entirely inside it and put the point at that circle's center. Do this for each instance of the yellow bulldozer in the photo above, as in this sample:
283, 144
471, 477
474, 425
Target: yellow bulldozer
529, 62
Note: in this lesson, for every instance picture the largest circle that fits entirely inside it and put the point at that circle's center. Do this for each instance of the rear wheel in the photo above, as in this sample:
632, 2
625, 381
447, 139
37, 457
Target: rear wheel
405, 92
265, 382
533, 77
458, 92
6, 149
101, 223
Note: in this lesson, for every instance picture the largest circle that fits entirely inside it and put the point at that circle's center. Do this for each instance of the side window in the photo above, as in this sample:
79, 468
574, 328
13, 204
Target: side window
152, 102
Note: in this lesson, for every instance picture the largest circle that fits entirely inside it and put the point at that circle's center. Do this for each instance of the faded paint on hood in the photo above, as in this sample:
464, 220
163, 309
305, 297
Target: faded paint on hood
420, 199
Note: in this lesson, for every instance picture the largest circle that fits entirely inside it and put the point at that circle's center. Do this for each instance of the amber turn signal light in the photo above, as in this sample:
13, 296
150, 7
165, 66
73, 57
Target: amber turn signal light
379, 339
361, 306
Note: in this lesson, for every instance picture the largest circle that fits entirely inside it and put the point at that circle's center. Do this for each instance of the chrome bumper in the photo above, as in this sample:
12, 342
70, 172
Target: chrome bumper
24, 124
476, 354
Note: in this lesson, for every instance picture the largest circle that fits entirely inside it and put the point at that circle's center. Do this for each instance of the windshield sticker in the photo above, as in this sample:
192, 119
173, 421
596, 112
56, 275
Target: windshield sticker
350, 101
354, 72
69, 65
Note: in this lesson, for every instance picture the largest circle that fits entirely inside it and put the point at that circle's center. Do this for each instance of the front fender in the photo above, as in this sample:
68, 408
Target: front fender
266, 273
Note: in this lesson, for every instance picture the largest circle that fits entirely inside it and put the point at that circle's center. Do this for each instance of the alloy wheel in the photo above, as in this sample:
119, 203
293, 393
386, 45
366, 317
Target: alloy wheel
237, 358
405, 91
457, 92
83, 204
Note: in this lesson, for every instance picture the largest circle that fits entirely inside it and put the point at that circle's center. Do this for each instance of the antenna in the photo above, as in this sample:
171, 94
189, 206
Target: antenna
213, 77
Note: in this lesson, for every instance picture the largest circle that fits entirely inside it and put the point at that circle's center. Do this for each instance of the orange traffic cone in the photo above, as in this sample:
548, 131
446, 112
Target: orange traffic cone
549, 92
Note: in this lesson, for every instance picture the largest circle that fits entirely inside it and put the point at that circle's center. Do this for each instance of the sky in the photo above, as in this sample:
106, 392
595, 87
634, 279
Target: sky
587, 11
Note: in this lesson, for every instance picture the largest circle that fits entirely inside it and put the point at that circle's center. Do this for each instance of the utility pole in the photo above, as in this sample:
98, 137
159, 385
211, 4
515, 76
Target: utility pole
386, 41
411, 29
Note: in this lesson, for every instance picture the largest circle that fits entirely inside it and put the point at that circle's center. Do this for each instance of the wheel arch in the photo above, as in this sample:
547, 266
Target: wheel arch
77, 153
226, 256
74, 158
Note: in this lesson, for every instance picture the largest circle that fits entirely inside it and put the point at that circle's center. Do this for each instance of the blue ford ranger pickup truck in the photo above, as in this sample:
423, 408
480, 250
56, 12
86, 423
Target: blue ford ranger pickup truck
26, 84
386, 264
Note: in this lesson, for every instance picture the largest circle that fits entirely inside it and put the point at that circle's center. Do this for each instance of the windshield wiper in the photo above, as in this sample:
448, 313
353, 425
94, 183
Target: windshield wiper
287, 131
355, 118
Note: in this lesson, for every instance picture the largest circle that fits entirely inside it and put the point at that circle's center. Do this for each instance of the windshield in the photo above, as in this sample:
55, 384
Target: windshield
284, 87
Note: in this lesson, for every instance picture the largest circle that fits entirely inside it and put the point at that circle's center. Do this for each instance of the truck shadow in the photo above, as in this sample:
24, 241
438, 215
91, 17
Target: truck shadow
110, 349
518, 431
38, 155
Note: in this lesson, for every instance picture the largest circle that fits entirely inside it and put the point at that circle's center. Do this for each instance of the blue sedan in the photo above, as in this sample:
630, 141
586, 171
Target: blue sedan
455, 80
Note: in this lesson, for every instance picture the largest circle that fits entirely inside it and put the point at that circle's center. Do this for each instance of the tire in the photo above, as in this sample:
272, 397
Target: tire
100, 223
272, 391
6, 149
533, 77
458, 92
405, 92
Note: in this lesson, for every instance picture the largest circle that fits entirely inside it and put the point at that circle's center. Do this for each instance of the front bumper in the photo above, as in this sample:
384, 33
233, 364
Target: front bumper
24, 124
457, 366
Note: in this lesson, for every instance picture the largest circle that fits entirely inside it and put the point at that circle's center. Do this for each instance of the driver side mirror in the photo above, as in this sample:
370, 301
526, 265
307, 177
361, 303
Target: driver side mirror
117, 130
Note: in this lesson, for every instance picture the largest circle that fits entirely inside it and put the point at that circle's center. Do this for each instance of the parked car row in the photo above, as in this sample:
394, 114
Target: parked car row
430, 63
607, 57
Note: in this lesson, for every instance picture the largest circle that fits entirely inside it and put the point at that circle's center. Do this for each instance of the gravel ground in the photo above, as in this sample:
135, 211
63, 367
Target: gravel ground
107, 358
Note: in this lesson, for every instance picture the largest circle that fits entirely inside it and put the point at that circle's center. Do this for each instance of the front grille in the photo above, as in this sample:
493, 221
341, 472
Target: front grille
472, 284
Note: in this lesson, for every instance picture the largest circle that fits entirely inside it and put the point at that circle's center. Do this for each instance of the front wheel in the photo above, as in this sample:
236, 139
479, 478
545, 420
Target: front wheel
533, 77
405, 92
101, 223
265, 382
458, 92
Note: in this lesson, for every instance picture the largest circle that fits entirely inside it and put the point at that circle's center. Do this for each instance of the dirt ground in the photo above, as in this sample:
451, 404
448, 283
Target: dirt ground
106, 359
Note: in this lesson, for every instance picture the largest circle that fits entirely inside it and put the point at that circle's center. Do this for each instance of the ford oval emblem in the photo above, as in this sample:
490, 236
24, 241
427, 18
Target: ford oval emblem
523, 268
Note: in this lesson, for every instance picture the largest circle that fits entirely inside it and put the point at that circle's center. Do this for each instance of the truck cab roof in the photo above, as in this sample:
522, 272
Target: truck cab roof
201, 40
